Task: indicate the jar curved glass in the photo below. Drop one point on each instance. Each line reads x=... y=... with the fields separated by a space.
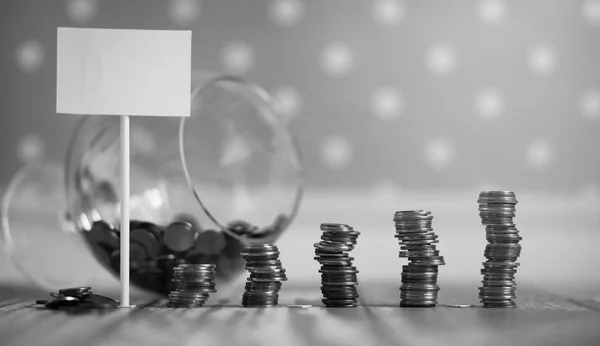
x=254 y=175
x=37 y=236
x=201 y=187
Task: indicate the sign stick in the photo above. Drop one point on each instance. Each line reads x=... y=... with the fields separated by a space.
x=125 y=165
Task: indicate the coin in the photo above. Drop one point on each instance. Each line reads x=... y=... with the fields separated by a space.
x=75 y=291
x=336 y=227
x=334 y=247
x=147 y=235
x=208 y=242
x=188 y=218
x=179 y=236
x=340 y=303
x=61 y=302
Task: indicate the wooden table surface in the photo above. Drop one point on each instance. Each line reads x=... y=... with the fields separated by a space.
x=540 y=319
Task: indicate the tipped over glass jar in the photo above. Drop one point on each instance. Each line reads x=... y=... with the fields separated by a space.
x=201 y=188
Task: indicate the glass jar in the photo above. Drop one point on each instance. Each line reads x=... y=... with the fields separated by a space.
x=201 y=188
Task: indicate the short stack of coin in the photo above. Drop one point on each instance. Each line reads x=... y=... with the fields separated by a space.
x=417 y=242
x=338 y=276
x=497 y=210
x=266 y=275
x=80 y=293
x=192 y=285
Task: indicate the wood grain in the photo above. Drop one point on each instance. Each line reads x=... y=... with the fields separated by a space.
x=541 y=319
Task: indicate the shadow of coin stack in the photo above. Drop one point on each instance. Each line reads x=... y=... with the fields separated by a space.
x=338 y=276
x=417 y=243
x=497 y=210
x=266 y=275
x=192 y=285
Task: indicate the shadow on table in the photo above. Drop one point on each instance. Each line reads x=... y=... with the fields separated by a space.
x=21 y=292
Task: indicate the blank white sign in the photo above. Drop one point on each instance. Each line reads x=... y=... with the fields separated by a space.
x=124 y=72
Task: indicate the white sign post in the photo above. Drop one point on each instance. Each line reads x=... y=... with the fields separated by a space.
x=125 y=73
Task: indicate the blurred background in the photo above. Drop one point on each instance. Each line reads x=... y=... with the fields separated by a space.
x=397 y=105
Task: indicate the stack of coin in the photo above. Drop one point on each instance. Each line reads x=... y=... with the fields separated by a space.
x=266 y=275
x=497 y=210
x=77 y=292
x=192 y=283
x=417 y=242
x=78 y=299
x=338 y=276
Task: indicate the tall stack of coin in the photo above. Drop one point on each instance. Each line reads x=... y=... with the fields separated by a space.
x=192 y=283
x=417 y=242
x=266 y=275
x=497 y=210
x=338 y=276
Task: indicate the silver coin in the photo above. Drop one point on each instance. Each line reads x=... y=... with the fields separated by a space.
x=264 y=255
x=419 y=294
x=339 y=302
x=418 y=287
x=335 y=226
x=501 y=229
x=427 y=263
x=485 y=298
x=496 y=193
x=267 y=279
x=340 y=270
x=267 y=269
x=341 y=235
x=260 y=248
x=197 y=266
x=339 y=283
x=421 y=242
x=261 y=263
x=406 y=214
x=417 y=237
x=406 y=247
x=498 y=283
x=501 y=264
x=335 y=261
x=496 y=296
x=423 y=276
x=188 y=295
x=194 y=276
x=424 y=304
x=333 y=247
x=497 y=289
x=418 y=253
x=419 y=282
x=502 y=304
x=503 y=236
x=339 y=289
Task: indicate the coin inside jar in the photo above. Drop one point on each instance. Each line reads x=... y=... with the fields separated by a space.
x=179 y=236
x=209 y=242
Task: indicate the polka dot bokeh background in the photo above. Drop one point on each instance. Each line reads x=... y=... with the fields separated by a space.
x=410 y=94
